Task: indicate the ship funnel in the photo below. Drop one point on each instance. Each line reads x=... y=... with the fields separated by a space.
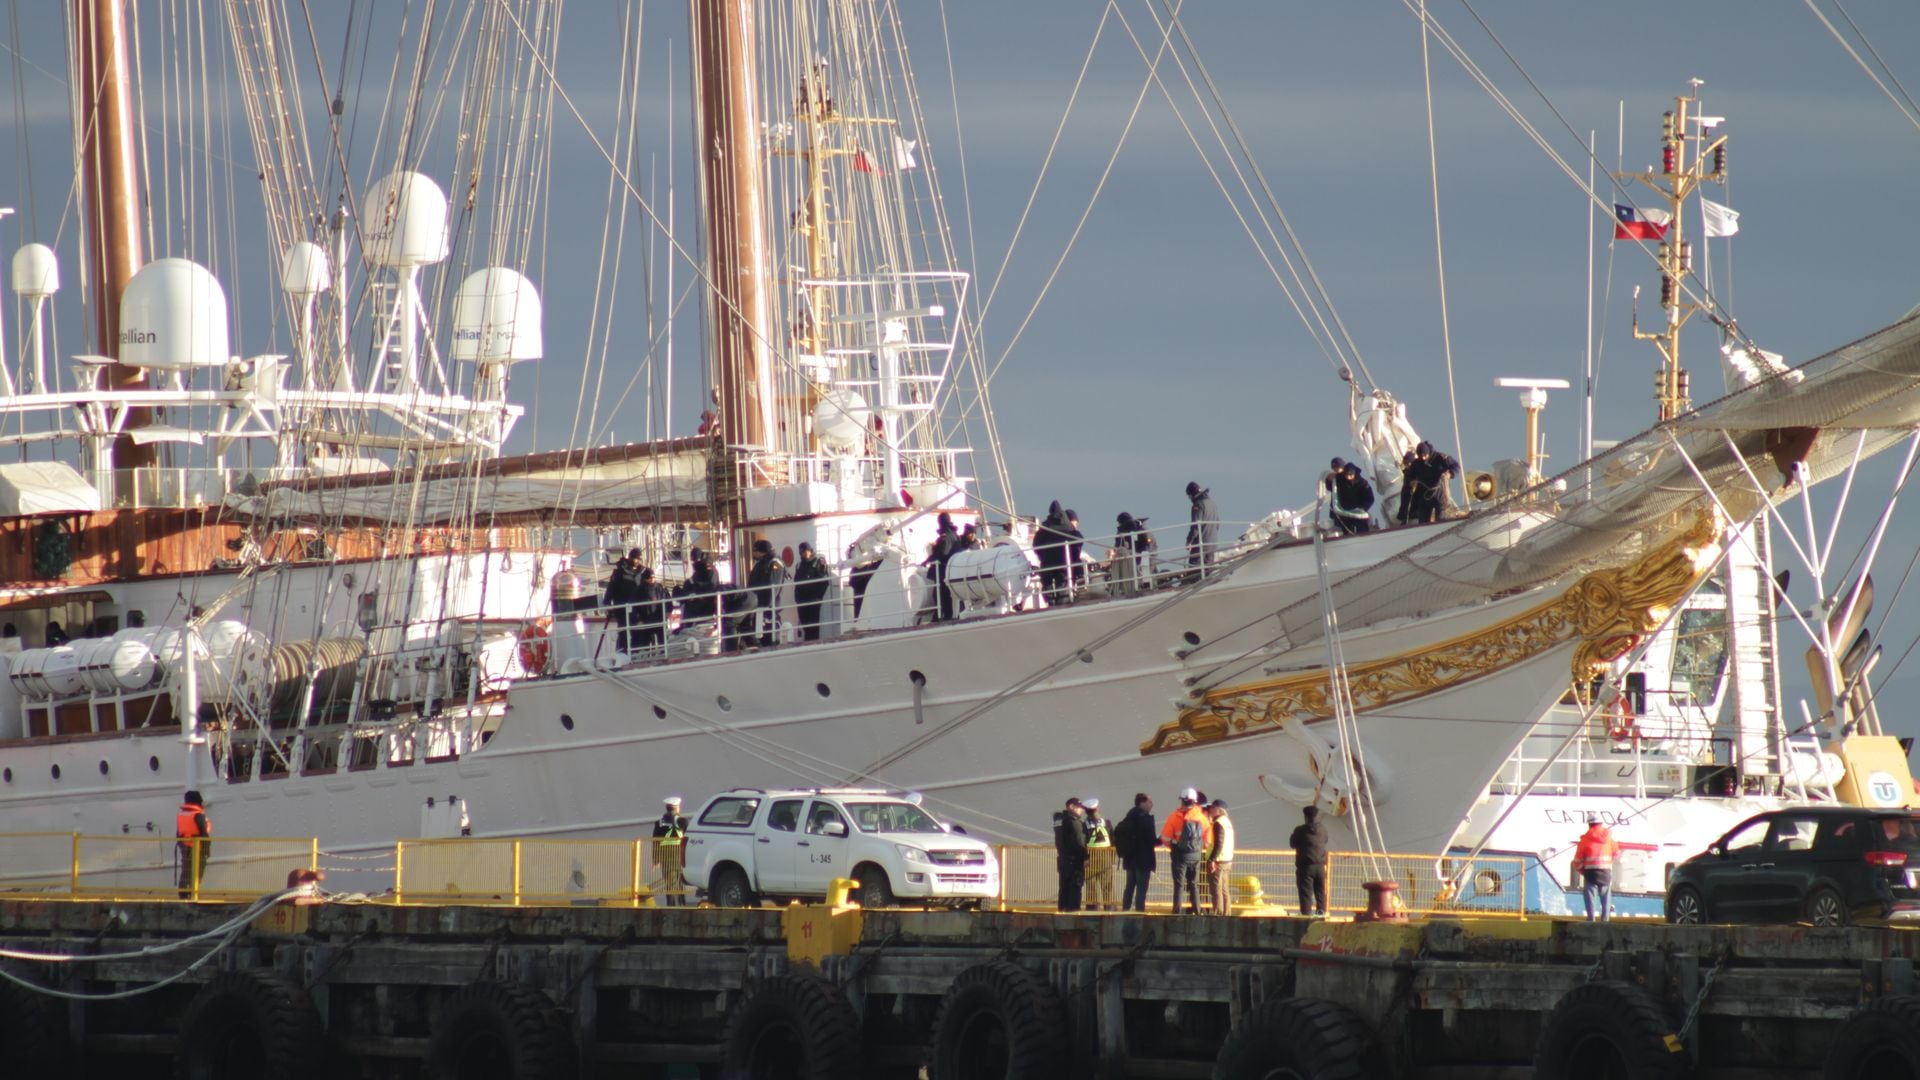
x=406 y=221
x=305 y=270
x=36 y=272
x=497 y=318
x=173 y=316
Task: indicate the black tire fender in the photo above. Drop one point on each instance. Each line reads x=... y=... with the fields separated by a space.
x=1599 y=1021
x=489 y=1027
x=875 y=885
x=999 y=1020
x=251 y=1024
x=792 y=1027
x=1308 y=1037
x=30 y=1032
x=1881 y=1039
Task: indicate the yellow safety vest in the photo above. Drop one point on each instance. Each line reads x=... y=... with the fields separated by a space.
x=674 y=833
x=1100 y=837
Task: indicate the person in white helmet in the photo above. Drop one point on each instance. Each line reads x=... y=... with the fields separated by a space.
x=669 y=852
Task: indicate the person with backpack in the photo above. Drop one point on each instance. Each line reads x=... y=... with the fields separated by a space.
x=1309 y=844
x=1134 y=840
x=1189 y=833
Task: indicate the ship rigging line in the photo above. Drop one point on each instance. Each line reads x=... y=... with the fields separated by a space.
x=1223 y=571
x=1904 y=102
x=1311 y=316
x=1253 y=164
x=1106 y=173
x=1439 y=246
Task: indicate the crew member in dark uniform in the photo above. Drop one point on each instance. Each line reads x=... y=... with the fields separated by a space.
x=811 y=576
x=1050 y=543
x=621 y=596
x=1352 y=501
x=1070 y=851
x=647 y=621
x=1429 y=475
x=945 y=542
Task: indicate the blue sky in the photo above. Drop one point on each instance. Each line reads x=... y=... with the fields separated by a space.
x=1164 y=351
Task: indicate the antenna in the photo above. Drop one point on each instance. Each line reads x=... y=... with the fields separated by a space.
x=1533 y=399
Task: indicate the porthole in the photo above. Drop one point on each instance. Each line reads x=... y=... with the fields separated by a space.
x=659 y=713
x=823 y=689
x=1190 y=638
x=1086 y=657
x=916 y=678
x=56 y=772
x=7 y=775
x=1489 y=883
x=103 y=767
x=153 y=764
x=725 y=705
x=566 y=721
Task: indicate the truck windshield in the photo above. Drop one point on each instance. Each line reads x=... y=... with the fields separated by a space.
x=891 y=817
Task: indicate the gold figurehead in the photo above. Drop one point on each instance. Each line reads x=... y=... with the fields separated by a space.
x=1607 y=612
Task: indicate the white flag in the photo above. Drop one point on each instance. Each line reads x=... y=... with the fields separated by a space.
x=903 y=154
x=1719 y=220
x=1710 y=121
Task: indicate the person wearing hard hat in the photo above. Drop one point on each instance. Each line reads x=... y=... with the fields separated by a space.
x=670 y=853
x=1189 y=833
x=1100 y=858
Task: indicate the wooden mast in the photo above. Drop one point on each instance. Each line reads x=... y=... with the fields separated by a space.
x=112 y=197
x=728 y=130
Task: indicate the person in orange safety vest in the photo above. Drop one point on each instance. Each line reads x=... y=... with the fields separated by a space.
x=1593 y=860
x=192 y=833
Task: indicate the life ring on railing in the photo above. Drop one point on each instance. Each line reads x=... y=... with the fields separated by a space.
x=535 y=635
x=1601 y=1016
x=250 y=1024
x=793 y=1025
x=1885 y=1031
x=1299 y=1037
x=999 y=1011
x=496 y=1028
x=1623 y=724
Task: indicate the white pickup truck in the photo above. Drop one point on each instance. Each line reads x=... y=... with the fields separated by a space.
x=746 y=844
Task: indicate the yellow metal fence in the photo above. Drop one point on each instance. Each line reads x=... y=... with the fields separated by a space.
x=625 y=873
x=1263 y=882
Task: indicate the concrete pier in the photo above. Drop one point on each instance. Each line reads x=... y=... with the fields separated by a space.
x=377 y=990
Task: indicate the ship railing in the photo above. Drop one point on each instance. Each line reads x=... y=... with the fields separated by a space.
x=1262 y=882
x=1109 y=566
x=169 y=488
x=1632 y=768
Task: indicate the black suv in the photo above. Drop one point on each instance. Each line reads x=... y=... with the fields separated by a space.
x=1826 y=865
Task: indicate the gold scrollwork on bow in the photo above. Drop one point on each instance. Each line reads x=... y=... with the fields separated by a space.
x=1607 y=611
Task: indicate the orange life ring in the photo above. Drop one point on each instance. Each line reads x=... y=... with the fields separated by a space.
x=533 y=644
x=1622 y=724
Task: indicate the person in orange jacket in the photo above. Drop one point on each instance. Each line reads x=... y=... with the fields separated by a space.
x=1593 y=860
x=193 y=843
x=1189 y=833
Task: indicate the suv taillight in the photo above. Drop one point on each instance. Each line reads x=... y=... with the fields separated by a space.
x=1886 y=858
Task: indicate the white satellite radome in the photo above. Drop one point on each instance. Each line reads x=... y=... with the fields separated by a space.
x=36 y=272
x=842 y=419
x=305 y=269
x=173 y=316
x=405 y=215
x=497 y=318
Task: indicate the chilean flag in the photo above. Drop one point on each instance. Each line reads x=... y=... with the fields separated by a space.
x=1640 y=224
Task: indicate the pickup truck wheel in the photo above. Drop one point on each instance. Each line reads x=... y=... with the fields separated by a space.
x=875 y=890
x=731 y=889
